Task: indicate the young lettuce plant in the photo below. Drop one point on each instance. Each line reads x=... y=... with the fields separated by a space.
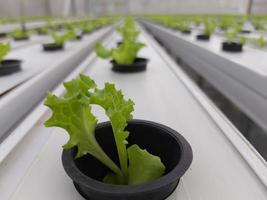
x=230 y=36
x=43 y=30
x=19 y=33
x=4 y=49
x=73 y=112
x=126 y=53
x=61 y=39
x=128 y=31
x=209 y=28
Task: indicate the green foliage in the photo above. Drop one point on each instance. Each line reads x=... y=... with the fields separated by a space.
x=124 y=54
x=43 y=30
x=128 y=50
x=128 y=31
x=209 y=27
x=230 y=36
x=18 y=33
x=61 y=39
x=4 y=49
x=73 y=112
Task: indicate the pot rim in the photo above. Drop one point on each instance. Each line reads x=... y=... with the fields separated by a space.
x=10 y=61
x=232 y=43
x=139 y=59
x=52 y=44
x=176 y=173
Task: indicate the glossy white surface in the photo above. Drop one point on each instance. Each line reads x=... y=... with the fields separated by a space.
x=164 y=95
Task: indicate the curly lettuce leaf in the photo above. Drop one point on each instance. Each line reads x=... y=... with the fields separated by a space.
x=73 y=113
x=4 y=49
x=119 y=112
x=60 y=39
x=127 y=52
x=101 y=51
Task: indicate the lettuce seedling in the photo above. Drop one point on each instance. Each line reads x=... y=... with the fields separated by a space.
x=19 y=33
x=43 y=30
x=61 y=39
x=4 y=49
x=209 y=28
x=73 y=112
x=125 y=53
x=128 y=31
x=230 y=36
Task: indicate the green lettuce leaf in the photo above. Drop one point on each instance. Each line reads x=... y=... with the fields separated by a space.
x=119 y=112
x=4 y=49
x=62 y=38
x=126 y=52
x=73 y=113
x=101 y=51
x=143 y=166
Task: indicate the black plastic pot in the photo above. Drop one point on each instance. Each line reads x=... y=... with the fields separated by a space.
x=79 y=37
x=138 y=65
x=9 y=67
x=53 y=47
x=2 y=35
x=119 y=43
x=245 y=31
x=187 y=32
x=203 y=37
x=21 y=38
x=87 y=172
x=232 y=47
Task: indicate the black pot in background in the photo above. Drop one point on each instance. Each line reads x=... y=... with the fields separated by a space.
x=138 y=65
x=119 y=43
x=87 y=172
x=187 y=32
x=9 y=67
x=53 y=47
x=245 y=31
x=79 y=36
x=203 y=37
x=232 y=47
x=21 y=38
x=3 y=35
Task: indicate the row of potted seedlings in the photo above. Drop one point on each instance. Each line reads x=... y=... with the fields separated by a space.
x=233 y=28
x=124 y=55
x=9 y=66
